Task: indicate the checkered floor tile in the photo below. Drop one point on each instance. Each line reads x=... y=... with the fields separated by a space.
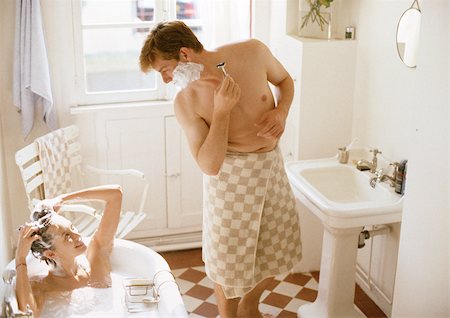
x=282 y=299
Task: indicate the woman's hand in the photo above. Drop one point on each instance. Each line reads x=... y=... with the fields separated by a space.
x=51 y=204
x=27 y=235
x=272 y=123
x=226 y=95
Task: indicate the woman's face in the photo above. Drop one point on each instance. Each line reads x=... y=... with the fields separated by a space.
x=67 y=242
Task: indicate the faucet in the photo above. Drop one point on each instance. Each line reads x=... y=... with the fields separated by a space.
x=367 y=165
x=10 y=306
x=381 y=176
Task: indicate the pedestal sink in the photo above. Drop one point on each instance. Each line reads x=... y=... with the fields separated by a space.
x=341 y=197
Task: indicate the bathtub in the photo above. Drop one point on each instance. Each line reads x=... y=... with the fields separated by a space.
x=128 y=260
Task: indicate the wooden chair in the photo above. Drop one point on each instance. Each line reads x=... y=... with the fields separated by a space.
x=84 y=217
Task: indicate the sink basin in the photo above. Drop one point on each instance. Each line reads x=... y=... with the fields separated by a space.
x=341 y=196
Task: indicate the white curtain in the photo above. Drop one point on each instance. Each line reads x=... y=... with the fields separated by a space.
x=224 y=21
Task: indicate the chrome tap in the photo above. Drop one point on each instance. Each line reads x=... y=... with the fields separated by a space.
x=10 y=306
x=367 y=165
x=381 y=176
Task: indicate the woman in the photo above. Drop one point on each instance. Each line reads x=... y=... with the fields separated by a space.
x=53 y=239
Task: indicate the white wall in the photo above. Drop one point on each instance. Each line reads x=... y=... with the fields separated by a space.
x=5 y=95
x=5 y=222
x=57 y=26
x=404 y=112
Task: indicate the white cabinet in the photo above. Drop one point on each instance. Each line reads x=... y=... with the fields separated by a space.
x=150 y=140
x=184 y=179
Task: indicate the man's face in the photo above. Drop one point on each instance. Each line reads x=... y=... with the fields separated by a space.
x=165 y=68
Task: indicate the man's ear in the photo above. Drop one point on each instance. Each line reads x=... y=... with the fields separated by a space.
x=185 y=54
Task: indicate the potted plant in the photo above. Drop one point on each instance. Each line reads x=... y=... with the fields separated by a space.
x=314 y=15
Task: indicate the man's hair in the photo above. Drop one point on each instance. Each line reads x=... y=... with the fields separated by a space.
x=165 y=41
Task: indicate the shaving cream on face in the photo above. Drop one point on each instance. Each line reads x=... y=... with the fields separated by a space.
x=186 y=73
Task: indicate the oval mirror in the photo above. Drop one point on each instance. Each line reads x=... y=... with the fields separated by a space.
x=408 y=31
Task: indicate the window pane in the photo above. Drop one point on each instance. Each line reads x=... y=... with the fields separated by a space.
x=187 y=9
x=112 y=60
x=117 y=11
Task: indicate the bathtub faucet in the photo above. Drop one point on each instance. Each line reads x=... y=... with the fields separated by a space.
x=11 y=309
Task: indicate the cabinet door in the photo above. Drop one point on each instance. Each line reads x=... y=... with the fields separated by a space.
x=184 y=180
x=138 y=143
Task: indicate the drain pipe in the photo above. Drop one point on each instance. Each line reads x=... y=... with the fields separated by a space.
x=377 y=230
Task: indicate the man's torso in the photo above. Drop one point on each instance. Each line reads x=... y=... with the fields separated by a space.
x=249 y=71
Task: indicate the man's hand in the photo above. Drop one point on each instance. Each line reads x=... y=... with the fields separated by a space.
x=226 y=95
x=272 y=123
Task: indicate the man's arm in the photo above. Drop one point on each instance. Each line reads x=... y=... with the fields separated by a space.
x=274 y=121
x=209 y=144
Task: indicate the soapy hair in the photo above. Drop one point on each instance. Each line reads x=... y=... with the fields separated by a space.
x=165 y=41
x=42 y=218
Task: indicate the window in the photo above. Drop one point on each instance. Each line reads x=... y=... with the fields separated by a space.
x=109 y=35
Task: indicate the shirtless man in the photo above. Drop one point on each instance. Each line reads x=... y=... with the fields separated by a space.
x=223 y=112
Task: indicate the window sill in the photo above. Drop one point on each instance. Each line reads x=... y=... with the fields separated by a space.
x=83 y=109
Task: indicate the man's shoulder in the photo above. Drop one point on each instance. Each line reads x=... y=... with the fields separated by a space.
x=184 y=100
x=185 y=96
x=244 y=44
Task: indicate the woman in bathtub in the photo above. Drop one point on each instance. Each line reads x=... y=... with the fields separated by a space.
x=53 y=239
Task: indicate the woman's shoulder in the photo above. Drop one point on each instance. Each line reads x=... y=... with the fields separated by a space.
x=40 y=285
x=100 y=267
x=40 y=282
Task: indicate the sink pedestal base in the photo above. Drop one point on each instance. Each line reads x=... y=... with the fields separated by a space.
x=337 y=276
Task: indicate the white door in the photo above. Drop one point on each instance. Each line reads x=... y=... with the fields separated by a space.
x=184 y=180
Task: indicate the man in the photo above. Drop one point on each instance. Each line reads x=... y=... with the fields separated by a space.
x=250 y=228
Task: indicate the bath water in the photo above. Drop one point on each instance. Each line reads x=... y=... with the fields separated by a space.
x=93 y=302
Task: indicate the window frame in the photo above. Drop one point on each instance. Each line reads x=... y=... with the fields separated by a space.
x=164 y=10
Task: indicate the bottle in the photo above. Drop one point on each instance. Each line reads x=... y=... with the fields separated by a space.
x=350 y=33
x=400 y=176
x=404 y=179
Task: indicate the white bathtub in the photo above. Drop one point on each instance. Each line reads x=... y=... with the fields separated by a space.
x=128 y=260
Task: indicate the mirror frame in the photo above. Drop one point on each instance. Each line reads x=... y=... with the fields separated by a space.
x=414 y=6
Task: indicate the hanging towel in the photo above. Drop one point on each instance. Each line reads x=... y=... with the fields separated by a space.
x=55 y=163
x=251 y=228
x=31 y=84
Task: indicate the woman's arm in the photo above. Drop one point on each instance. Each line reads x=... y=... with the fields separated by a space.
x=24 y=292
x=112 y=196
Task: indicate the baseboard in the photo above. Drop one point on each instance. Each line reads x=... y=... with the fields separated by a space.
x=172 y=242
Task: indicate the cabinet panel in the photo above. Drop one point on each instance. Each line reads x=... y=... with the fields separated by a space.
x=184 y=179
x=139 y=143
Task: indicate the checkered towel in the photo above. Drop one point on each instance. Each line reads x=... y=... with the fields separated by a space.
x=55 y=163
x=251 y=229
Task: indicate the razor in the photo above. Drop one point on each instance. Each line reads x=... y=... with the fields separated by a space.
x=222 y=67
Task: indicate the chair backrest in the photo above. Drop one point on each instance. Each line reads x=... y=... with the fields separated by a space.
x=30 y=166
